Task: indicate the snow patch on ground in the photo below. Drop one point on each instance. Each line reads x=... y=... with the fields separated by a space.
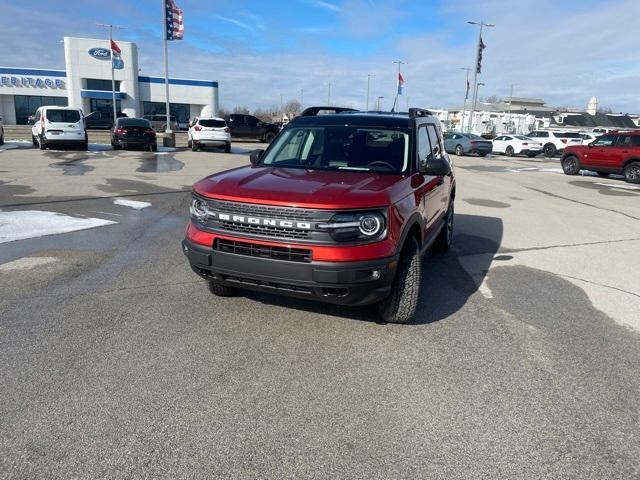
x=26 y=263
x=131 y=203
x=22 y=224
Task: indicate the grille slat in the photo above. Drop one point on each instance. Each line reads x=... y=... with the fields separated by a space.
x=263 y=251
x=264 y=230
x=269 y=211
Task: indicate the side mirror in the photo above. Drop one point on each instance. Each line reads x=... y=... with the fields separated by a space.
x=435 y=167
x=31 y=120
x=255 y=156
x=590 y=145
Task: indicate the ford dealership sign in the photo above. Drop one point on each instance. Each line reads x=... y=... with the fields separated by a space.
x=100 y=53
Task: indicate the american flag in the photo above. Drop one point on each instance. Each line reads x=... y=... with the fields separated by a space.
x=175 y=26
x=400 y=83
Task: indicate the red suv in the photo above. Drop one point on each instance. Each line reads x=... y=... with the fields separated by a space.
x=339 y=208
x=615 y=152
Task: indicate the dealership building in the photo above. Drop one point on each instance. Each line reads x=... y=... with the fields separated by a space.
x=86 y=83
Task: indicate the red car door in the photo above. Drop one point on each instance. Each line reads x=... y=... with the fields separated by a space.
x=597 y=155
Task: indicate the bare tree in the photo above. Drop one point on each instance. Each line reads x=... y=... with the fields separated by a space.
x=292 y=108
x=241 y=110
x=222 y=111
x=492 y=99
x=604 y=110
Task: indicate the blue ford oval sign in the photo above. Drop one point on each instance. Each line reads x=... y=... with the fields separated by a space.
x=100 y=53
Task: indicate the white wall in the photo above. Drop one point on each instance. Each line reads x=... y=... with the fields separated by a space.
x=7 y=109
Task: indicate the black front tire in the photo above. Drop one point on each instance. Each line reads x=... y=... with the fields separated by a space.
x=570 y=165
x=268 y=138
x=459 y=151
x=2 y=139
x=189 y=143
x=220 y=290
x=33 y=140
x=550 y=150
x=194 y=146
x=400 y=306
x=632 y=172
x=227 y=148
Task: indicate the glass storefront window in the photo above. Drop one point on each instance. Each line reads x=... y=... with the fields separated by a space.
x=102 y=85
x=180 y=111
x=27 y=105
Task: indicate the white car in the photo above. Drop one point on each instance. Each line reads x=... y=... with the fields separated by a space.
x=555 y=142
x=512 y=145
x=587 y=137
x=209 y=132
x=59 y=126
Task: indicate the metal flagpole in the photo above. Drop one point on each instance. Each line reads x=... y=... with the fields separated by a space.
x=466 y=96
x=166 y=64
x=113 y=78
x=395 y=102
x=369 y=77
x=475 y=70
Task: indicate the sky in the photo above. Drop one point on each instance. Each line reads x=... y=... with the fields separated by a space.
x=562 y=51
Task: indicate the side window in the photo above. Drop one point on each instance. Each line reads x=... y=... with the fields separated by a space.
x=434 y=139
x=251 y=121
x=424 y=148
x=605 y=141
x=624 y=141
x=37 y=118
x=543 y=134
x=635 y=140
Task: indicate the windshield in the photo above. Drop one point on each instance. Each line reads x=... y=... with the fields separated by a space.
x=63 y=116
x=522 y=137
x=341 y=147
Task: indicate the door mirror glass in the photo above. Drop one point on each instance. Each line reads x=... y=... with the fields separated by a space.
x=255 y=156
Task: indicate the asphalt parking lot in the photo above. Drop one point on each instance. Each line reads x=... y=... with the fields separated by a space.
x=117 y=362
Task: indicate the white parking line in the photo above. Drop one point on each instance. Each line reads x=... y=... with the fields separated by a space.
x=131 y=203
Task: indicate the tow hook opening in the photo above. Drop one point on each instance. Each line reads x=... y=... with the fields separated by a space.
x=335 y=292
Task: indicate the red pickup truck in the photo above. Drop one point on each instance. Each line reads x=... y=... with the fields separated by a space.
x=616 y=152
x=339 y=208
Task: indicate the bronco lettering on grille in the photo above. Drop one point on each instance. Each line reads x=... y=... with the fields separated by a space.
x=267 y=222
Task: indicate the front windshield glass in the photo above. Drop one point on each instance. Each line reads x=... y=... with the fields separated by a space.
x=340 y=147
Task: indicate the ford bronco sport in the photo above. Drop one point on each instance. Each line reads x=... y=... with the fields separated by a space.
x=339 y=208
x=615 y=152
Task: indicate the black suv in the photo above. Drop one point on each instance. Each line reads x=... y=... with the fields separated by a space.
x=339 y=208
x=248 y=126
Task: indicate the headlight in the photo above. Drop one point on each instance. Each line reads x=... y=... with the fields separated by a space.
x=354 y=226
x=198 y=208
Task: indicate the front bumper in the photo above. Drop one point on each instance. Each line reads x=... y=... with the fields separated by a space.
x=343 y=283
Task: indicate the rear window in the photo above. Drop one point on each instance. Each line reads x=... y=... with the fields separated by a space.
x=210 y=123
x=568 y=135
x=473 y=136
x=63 y=116
x=133 y=122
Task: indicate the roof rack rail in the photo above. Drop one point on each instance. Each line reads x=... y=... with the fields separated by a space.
x=313 y=111
x=419 y=112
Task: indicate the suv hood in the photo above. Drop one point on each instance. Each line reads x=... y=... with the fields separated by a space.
x=299 y=187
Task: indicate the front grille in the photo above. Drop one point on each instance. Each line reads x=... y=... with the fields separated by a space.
x=263 y=251
x=268 y=211
x=264 y=230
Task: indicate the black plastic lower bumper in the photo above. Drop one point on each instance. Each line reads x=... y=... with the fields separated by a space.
x=344 y=283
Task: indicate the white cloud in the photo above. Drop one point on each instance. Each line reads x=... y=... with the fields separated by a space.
x=326 y=5
x=235 y=22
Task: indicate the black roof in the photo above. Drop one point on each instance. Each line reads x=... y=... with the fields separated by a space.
x=369 y=119
x=598 y=120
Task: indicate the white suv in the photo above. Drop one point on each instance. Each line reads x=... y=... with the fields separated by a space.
x=59 y=126
x=208 y=132
x=555 y=142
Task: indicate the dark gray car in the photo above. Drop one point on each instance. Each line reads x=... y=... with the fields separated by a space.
x=464 y=143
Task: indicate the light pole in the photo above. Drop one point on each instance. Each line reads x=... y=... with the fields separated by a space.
x=369 y=77
x=466 y=96
x=481 y=24
x=379 y=98
x=113 y=78
x=399 y=62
